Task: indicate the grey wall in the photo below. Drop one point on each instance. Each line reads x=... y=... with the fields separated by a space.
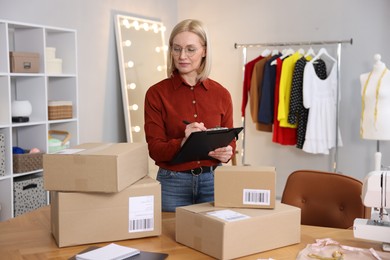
x=229 y=22
x=100 y=102
x=258 y=21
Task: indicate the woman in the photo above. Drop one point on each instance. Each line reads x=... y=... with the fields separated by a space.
x=186 y=95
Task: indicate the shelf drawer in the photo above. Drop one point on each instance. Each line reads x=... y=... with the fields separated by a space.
x=29 y=194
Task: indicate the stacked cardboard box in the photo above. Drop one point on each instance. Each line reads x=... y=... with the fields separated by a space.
x=244 y=219
x=245 y=187
x=101 y=192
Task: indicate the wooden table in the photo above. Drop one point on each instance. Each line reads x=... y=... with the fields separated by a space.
x=29 y=237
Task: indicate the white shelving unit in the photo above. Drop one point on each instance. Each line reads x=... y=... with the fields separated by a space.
x=38 y=88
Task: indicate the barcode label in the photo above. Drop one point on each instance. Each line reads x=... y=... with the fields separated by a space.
x=256 y=197
x=141 y=225
x=141 y=214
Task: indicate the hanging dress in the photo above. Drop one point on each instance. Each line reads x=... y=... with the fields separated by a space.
x=255 y=94
x=285 y=89
x=320 y=97
x=281 y=135
x=247 y=82
x=266 y=104
x=298 y=114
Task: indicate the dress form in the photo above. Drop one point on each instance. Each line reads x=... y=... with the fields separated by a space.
x=375 y=91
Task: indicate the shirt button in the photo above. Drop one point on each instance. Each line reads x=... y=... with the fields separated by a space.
x=198 y=162
x=192 y=88
x=193 y=101
x=195 y=116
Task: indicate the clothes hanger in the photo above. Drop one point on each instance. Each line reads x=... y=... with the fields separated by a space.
x=265 y=53
x=287 y=53
x=323 y=52
x=275 y=52
x=310 y=52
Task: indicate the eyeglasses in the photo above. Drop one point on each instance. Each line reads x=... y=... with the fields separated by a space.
x=189 y=51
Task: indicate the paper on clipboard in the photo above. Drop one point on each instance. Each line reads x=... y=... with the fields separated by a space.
x=199 y=144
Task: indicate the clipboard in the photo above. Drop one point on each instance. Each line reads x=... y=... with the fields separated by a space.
x=199 y=144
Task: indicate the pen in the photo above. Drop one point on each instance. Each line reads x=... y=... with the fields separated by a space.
x=186 y=122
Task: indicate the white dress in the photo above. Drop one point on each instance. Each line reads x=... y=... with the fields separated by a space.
x=320 y=96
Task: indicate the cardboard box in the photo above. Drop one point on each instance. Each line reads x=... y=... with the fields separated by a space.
x=96 y=167
x=245 y=186
x=82 y=218
x=24 y=62
x=237 y=232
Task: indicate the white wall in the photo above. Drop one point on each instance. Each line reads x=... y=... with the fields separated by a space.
x=229 y=22
x=259 y=21
x=100 y=102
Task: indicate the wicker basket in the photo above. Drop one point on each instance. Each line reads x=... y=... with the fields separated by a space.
x=60 y=110
x=56 y=144
x=27 y=162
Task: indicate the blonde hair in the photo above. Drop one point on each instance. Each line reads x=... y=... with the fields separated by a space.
x=199 y=29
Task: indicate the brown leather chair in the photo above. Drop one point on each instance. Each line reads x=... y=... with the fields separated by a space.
x=326 y=199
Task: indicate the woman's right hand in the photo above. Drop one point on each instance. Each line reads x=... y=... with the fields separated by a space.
x=192 y=127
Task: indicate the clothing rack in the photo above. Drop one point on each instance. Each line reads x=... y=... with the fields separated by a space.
x=245 y=46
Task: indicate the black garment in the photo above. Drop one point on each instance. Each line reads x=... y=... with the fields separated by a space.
x=298 y=114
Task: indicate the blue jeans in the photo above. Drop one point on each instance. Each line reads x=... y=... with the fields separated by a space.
x=182 y=189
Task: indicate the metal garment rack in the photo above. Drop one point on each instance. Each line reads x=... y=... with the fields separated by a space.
x=245 y=46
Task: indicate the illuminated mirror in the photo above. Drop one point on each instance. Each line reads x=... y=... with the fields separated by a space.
x=142 y=63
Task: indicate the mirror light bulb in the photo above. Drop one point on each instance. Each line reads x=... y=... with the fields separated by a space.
x=136 y=25
x=130 y=64
x=155 y=28
x=133 y=107
x=136 y=128
x=131 y=86
x=127 y=43
x=126 y=23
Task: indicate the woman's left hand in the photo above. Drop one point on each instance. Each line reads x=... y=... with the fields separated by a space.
x=222 y=154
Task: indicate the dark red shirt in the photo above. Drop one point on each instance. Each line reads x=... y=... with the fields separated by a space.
x=171 y=101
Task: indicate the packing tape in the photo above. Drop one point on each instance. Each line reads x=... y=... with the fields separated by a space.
x=98 y=148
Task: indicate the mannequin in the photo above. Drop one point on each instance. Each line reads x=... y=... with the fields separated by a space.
x=375 y=91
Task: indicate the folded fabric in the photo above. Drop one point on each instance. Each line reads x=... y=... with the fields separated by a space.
x=328 y=249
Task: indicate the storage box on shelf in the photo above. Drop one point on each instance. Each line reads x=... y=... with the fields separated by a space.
x=24 y=62
x=27 y=74
x=60 y=110
x=53 y=64
x=28 y=194
x=27 y=162
x=58 y=140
